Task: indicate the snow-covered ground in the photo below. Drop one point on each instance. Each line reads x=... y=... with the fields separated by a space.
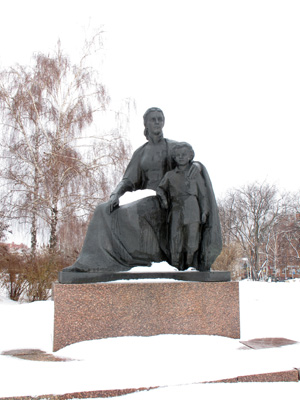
x=177 y=363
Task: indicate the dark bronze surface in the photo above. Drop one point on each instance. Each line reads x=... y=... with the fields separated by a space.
x=92 y=277
x=180 y=225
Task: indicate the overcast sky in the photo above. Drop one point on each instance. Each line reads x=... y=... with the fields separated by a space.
x=225 y=73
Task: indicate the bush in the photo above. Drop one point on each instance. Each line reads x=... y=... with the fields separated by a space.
x=27 y=277
x=12 y=273
x=40 y=273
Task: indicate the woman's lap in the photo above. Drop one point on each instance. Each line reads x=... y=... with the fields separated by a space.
x=131 y=235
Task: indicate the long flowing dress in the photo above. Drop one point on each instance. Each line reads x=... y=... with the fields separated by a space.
x=135 y=234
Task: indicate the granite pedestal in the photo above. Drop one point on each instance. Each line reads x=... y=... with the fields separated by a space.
x=144 y=308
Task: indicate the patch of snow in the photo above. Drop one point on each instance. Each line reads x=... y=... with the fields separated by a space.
x=177 y=363
x=129 y=197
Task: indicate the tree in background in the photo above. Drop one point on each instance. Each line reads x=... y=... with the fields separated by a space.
x=248 y=216
x=262 y=225
x=230 y=259
x=285 y=240
x=55 y=167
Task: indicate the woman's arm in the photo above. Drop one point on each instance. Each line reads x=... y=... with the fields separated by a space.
x=124 y=186
x=131 y=181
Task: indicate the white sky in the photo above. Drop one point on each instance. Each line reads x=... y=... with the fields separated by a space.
x=226 y=73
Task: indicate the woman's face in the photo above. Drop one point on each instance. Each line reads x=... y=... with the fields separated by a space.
x=155 y=123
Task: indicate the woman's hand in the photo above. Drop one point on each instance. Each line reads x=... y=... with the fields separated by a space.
x=113 y=202
x=194 y=170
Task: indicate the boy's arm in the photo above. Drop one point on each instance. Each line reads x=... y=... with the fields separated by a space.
x=202 y=198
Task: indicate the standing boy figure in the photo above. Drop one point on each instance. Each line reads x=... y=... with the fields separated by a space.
x=183 y=192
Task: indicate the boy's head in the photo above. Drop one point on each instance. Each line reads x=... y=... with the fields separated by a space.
x=183 y=153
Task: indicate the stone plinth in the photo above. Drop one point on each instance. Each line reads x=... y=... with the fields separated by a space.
x=102 y=310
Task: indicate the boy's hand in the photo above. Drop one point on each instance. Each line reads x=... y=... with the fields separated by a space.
x=163 y=201
x=165 y=204
x=204 y=217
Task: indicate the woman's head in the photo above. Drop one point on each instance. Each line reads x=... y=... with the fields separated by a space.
x=154 y=121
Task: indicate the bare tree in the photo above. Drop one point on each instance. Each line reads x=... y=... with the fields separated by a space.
x=248 y=216
x=285 y=239
x=53 y=164
x=230 y=259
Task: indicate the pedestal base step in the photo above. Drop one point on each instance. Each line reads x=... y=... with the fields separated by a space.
x=67 y=277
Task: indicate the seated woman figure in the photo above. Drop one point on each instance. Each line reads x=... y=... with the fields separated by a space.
x=135 y=234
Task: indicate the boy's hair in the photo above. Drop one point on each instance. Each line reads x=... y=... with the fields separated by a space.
x=180 y=145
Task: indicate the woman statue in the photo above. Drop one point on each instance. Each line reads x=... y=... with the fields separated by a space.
x=121 y=237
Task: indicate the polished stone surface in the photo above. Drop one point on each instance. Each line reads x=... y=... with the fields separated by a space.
x=281 y=376
x=102 y=310
x=267 y=343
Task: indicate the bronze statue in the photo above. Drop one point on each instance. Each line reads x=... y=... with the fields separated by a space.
x=137 y=234
x=184 y=195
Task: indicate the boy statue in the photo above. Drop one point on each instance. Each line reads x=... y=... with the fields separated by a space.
x=184 y=195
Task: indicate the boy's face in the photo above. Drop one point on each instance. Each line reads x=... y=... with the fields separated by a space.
x=182 y=156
